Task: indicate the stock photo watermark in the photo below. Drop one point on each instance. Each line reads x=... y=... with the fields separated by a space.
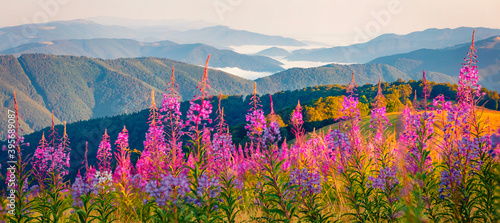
x=222 y=7
x=11 y=170
x=380 y=19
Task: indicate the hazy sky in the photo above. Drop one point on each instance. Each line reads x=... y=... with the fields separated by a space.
x=331 y=21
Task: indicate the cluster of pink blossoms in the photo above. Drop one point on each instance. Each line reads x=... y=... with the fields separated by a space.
x=48 y=159
x=256 y=124
x=198 y=113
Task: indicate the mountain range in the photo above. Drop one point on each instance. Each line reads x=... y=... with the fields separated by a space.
x=447 y=61
x=390 y=44
x=218 y=36
x=112 y=69
x=81 y=88
x=127 y=48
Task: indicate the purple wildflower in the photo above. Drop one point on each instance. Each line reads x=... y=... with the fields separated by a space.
x=307 y=181
x=385 y=180
x=169 y=188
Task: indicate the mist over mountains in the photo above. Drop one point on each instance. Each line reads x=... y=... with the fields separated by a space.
x=127 y=48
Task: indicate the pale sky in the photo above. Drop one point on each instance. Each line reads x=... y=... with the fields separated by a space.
x=330 y=21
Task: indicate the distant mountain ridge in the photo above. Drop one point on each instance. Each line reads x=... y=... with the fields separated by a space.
x=447 y=61
x=128 y=48
x=218 y=36
x=390 y=44
x=273 y=52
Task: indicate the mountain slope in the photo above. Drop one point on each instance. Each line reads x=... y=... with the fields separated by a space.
x=80 y=88
x=274 y=52
x=389 y=44
x=445 y=61
x=297 y=78
x=127 y=48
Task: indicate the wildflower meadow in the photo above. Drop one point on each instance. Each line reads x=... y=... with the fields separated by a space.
x=443 y=166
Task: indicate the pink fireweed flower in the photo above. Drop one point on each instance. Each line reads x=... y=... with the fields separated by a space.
x=172 y=107
x=205 y=137
x=50 y=160
x=155 y=140
x=272 y=134
x=123 y=169
x=297 y=122
x=222 y=147
x=255 y=100
x=297 y=119
x=349 y=108
x=221 y=122
x=174 y=124
x=256 y=123
x=152 y=160
x=171 y=104
x=407 y=137
x=351 y=119
x=421 y=128
x=379 y=122
x=425 y=91
x=316 y=155
x=152 y=157
x=199 y=114
x=468 y=86
x=460 y=147
x=240 y=163
x=53 y=135
x=104 y=153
